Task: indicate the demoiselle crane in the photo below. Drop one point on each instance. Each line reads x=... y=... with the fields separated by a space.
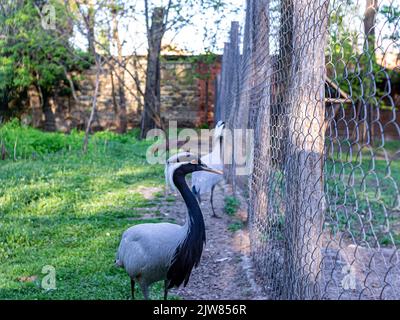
x=204 y=182
x=152 y=252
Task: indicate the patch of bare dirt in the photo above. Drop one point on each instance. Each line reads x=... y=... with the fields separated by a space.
x=374 y=272
x=149 y=193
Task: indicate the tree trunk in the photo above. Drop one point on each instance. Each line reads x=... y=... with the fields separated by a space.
x=49 y=118
x=151 y=113
x=281 y=85
x=3 y=106
x=367 y=132
x=94 y=104
x=97 y=58
x=369 y=23
x=120 y=72
x=3 y=150
x=90 y=21
x=114 y=98
x=122 y=119
x=257 y=84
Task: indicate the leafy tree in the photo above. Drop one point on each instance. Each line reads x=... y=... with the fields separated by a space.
x=159 y=18
x=32 y=55
x=354 y=67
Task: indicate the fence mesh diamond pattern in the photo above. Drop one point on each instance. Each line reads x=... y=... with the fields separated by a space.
x=319 y=83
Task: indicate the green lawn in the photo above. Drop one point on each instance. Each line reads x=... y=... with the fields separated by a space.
x=363 y=194
x=68 y=210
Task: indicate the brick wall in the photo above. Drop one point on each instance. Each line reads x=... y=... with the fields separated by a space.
x=182 y=97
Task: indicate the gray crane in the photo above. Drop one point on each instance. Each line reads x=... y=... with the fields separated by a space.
x=152 y=252
x=204 y=182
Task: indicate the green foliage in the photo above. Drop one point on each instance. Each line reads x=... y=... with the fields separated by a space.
x=362 y=194
x=202 y=65
x=32 y=143
x=231 y=205
x=235 y=226
x=392 y=15
x=69 y=210
x=355 y=73
x=203 y=126
x=355 y=69
x=31 y=55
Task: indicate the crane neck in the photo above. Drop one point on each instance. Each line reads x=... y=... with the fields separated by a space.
x=188 y=253
x=195 y=216
x=217 y=147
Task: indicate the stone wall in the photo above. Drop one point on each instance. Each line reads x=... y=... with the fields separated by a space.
x=182 y=97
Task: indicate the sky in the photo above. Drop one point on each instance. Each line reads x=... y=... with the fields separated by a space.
x=382 y=28
x=190 y=38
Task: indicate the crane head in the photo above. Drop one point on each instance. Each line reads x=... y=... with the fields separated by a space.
x=219 y=129
x=183 y=164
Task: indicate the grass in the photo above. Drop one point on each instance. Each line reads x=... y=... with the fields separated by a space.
x=30 y=143
x=64 y=209
x=235 y=226
x=231 y=205
x=68 y=210
x=363 y=195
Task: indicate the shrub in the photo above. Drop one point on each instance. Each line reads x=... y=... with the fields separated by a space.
x=31 y=142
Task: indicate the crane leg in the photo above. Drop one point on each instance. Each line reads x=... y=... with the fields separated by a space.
x=145 y=290
x=133 y=289
x=212 y=202
x=196 y=194
x=166 y=282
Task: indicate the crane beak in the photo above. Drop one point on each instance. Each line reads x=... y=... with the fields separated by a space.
x=208 y=169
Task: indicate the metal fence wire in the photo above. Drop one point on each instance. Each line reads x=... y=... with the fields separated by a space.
x=319 y=83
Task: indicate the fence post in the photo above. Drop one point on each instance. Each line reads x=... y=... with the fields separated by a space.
x=234 y=62
x=259 y=84
x=241 y=118
x=304 y=185
x=229 y=96
x=217 y=115
x=224 y=82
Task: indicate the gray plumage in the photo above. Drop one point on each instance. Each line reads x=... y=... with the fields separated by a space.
x=146 y=251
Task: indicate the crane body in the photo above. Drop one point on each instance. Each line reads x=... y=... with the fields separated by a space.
x=204 y=182
x=153 y=252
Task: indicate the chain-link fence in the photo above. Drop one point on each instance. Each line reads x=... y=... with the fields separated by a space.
x=319 y=82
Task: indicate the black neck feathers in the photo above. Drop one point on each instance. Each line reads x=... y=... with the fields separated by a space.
x=189 y=252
